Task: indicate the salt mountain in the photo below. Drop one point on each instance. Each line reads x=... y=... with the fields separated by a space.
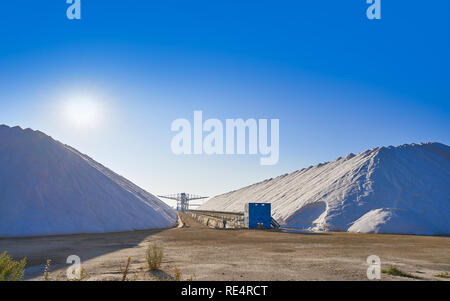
x=404 y=189
x=47 y=187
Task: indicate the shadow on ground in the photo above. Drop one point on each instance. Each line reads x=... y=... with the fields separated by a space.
x=161 y=275
x=57 y=248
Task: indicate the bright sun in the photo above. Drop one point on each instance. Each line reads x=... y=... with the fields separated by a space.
x=82 y=113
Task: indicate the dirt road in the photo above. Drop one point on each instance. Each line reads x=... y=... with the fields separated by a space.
x=208 y=254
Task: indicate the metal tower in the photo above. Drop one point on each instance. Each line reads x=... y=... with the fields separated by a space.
x=183 y=200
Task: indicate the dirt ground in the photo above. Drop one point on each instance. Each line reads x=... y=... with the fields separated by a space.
x=201 y=253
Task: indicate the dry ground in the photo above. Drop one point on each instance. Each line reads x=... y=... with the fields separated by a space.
x=208 y=254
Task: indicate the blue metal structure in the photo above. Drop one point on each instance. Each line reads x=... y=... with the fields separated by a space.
x=258 y=215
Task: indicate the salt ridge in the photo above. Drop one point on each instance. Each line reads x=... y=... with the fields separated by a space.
x=403 y=189
x=49 y=188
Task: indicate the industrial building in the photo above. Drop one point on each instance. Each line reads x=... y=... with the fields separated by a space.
x=258 y=216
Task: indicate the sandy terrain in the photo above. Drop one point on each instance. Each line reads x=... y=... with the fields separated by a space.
x=209 y=254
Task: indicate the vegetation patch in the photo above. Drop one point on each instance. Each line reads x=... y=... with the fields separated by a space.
x=47 y=270
x=442 y=275
x=11 y=270
x=394 y=271
x=154 y=255
x=125 y=271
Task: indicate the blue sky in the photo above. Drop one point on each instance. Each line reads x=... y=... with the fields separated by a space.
x=338 y=82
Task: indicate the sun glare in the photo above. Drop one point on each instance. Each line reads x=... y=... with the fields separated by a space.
x=82 y=113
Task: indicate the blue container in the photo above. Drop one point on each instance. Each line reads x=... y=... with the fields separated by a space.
x=258 y=215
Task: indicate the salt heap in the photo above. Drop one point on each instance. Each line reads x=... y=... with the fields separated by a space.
x=404 y=189
x=49 y=188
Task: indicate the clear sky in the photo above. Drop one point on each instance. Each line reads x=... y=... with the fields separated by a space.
x=338 y=82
